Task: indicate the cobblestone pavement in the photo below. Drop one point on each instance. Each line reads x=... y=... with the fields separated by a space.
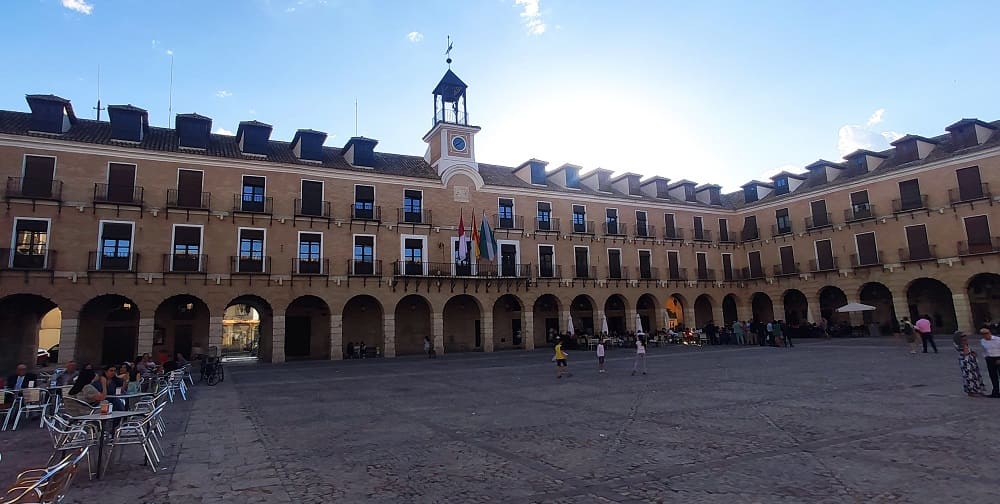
x=825 y=422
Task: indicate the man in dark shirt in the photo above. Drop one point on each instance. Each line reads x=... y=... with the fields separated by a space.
x=21 y=378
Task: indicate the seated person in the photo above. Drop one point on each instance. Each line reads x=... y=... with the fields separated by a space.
x=111 y=384
x=68 y=376
x=85 y=390
x=21 y=378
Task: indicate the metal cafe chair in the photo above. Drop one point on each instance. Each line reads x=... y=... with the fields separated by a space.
x=28 y=402
x=138 y=432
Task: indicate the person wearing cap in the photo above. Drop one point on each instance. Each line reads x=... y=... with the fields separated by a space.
x=972 y=379
x=991 y=349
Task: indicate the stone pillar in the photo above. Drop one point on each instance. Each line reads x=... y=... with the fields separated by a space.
x=278 y=339
x=67 y=339
x=486 y=327
x=214 y=334
x=901 y=307
x=779 y=310
x=389 y=333
x=745 y=311
x=717 y=316
x=145 y=338
x=598 y=322
x=336 y=337
x=963 y=312
x=528 y=329
x=689 y=320
x=437 y=332
x=630 y=321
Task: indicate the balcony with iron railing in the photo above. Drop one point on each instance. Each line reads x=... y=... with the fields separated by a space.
x=750 y=234
x=916 y=255
x=584 y=272
x=421 y=216
x=957 y=195
x=508 y=221
x=461 y=270
x=100 y=261
x=859 y=213
x=130 y=195
x=185 y=200
x=34 y=189
x=777 y=230
x=547 y=226
x=751 y=273
x=705 y=274
x=185 y=263
x=364 y=267
x=677 y=274
x=726 y=237
x=875 y=259
x=35 y=258
x=730 y=275
x=649 y=273
x=818 y=266
x=819 y=221
x=249 y=265
x=644 y=231
x=313 y=209
x=549 y=271
x=786 y=269
x=305 y=266
x=614 y=229
x=967 y=248
x=674 y=233
x=252 y=205
x=584 y=227
x=702 y=235
x=617 y=273
x=901 y=205
x=365 y=212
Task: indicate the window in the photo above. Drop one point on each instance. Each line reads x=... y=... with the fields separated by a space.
x=641 y=228
x=909 y=195
x=783 y=221
x=310 y=253
x=970 y=185
x=669 y=229
x=918 y=247
x=645 y=264
x=699 y=228
x=187 y=249
x=756 y=266
x=727 y=267
x=543 y=220
x=121 y=183
x=674 y=265
x=689 y=193
x=820 y=217
x=582 y=257
x=572 y=178
x=750 y=231
x=860 y=208
x=189 y=185
x=781 y=186
x=39 y=173
x=977 y=230
x=253 y=194
x=312 y=199
x=787 y=256
x=413 y=255
x=363 y=262
x=116 y=246
x=867 y=249
x=579 y=219
x=538 y=174
x=824 y=256
x=413 y=206
x=749 y=194
x=505 y=213
x=31 y=243
x=251 y=253
x=611 y=221
x=701 y=259
x=508 y=258
x=546 y=261
x=615 y=264
x=364 y=202
x=724 y=230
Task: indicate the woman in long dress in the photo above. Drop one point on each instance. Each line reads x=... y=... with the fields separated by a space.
x=972 y=379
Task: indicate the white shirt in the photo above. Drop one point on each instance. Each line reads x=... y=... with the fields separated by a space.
x=992 y=346
x=600 y=350
x=639 y=347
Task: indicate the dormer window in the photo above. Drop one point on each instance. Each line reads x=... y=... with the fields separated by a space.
x=572 y=178
x=781 y=185
x=750 y=194
x=689 y=193
x=537 y=174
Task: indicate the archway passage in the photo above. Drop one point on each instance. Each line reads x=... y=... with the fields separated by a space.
x=831 y=298
x=762 y=307
x=507 y=323
x=702 y=310
x=647 y=307
x=20 y=318
x=363 y=322
x=884 y=315
x=796 y=307
x=259 y=341
x=413 y=324
x=729 y=311
x=615 y=309
x=675 y=312
x=582 y=313
x=180 y=325
x=927 y=296
x=108 y=333
x=545 y=319
x=307 y=329
x=463 y=324
x=984 y=298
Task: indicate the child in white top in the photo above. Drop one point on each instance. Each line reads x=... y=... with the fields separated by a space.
x=600 y=356
x=640 y=355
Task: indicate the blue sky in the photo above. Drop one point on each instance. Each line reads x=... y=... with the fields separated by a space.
x=715 y=92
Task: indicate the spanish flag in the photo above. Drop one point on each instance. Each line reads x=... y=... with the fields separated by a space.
x=475 y=236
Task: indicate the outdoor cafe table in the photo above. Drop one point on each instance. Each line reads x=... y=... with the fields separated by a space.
x=128 y=397
x=101 y=421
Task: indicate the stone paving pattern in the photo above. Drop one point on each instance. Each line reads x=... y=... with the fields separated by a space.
x=825 y=422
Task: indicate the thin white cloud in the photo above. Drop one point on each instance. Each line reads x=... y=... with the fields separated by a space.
x=852 y=137
x=891 y=136
x=415 y=36
x=532 y=16
x=80 y=6
x=875 y=118
x=223 y=131
x=222 y=93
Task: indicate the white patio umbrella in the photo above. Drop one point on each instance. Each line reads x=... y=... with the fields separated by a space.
x=855 y=307
x=638 y=324
x=604 y=324
x=569 y=324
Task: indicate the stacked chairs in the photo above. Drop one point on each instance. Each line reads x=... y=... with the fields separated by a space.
x=45 y=486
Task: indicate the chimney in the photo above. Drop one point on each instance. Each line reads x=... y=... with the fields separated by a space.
x=128 y=123
x=970 y=133
x=307 y=144
x=597 y=179
x=828 y=171
x=532 y=171
x=912 y=148
x=627 y=183
x=193 y=130
x=360 y=151
x=756 y=190
x=655 y=187
x=50 y=114
x=253 y=137
x=682 y=190
x=709 y=194
x=567 y=175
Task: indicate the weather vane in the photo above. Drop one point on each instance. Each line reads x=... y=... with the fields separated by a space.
x=448 y=52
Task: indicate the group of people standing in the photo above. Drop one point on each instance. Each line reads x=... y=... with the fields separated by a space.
x=774 y=333
x=972 y=379
x=638 y=365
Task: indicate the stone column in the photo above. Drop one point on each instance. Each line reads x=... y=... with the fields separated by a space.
x=486 y=327
x=437 y=332
x=278 y=339
x=336 y=337
x=528 y=329
x=689 y=320
x=67 y=339
x=389 y=334
x=145 y=339
x=901 y=307
x=963 y=312
x=745 y=311
x=779 y=310
x=717 y=316
x=214 y=334
x=630 y=321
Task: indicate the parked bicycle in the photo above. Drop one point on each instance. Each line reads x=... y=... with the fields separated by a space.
x=212 y=371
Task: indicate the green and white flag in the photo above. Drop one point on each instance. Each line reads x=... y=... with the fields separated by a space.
x=487 y=242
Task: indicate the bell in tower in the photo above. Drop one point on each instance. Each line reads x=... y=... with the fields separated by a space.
x=450 y=101
x=450 y=142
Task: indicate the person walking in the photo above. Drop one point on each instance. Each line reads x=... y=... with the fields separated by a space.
x=640 y=354
x=770 y=333
x=560 y=359
x=429 y=348
x=781 y=336
x=923 y=326
x=972 y=379
x=738 y=332
x=909 y=334
x=991 y=349
x=600 y=356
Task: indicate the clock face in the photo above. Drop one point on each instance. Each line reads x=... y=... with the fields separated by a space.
x=458 y=143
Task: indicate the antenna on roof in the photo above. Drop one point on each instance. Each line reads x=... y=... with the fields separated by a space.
x=355 y=117
x=170 y=96
x=98 y=108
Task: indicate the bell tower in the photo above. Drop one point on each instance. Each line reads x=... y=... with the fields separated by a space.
x=450 y=141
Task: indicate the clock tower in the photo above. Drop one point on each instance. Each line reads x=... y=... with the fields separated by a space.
x=451 y=146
